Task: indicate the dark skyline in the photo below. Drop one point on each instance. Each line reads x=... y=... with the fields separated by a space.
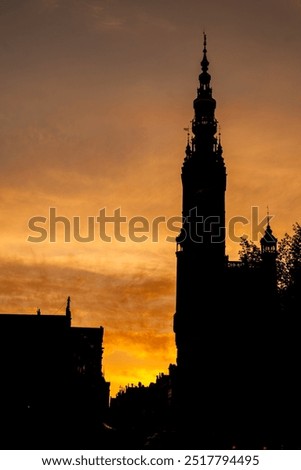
x=94 y=99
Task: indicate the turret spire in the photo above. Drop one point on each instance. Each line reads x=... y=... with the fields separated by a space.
x=268 y=216
x=268 y=241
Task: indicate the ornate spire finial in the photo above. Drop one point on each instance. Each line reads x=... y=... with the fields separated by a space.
x=205 y=41
x=205 y=62
x=268 y=216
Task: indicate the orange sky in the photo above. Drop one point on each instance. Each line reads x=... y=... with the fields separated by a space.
x=94 y=96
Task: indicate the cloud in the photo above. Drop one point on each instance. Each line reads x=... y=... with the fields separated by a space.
x=98 y=14
x=9 y=6
x=296 y=4
x=50 y=4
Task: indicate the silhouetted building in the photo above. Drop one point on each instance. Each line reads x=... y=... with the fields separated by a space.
x=51 y=380
x=145 y=411
x=201 y=262
x=235 y=349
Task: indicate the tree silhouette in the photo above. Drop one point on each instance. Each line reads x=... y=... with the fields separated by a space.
x=249 y=253
x=289 y=259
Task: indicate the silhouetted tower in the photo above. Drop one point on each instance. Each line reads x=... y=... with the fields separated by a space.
x=200 y=247
x=269 y=256
x=268 y=243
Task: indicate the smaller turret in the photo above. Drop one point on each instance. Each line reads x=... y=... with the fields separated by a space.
x=269 y=257
x=269 y=241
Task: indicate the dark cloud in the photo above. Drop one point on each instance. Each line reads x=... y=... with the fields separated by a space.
x=97 y=298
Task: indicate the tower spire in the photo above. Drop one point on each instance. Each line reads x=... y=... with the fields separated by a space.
x=205 y=62
x=205 y=77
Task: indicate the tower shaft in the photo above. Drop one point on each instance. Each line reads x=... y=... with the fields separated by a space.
x=201 y=250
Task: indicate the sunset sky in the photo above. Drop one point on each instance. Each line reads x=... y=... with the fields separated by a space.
x=94 y=99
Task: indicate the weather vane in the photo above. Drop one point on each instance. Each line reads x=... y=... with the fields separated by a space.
x=268 y=216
